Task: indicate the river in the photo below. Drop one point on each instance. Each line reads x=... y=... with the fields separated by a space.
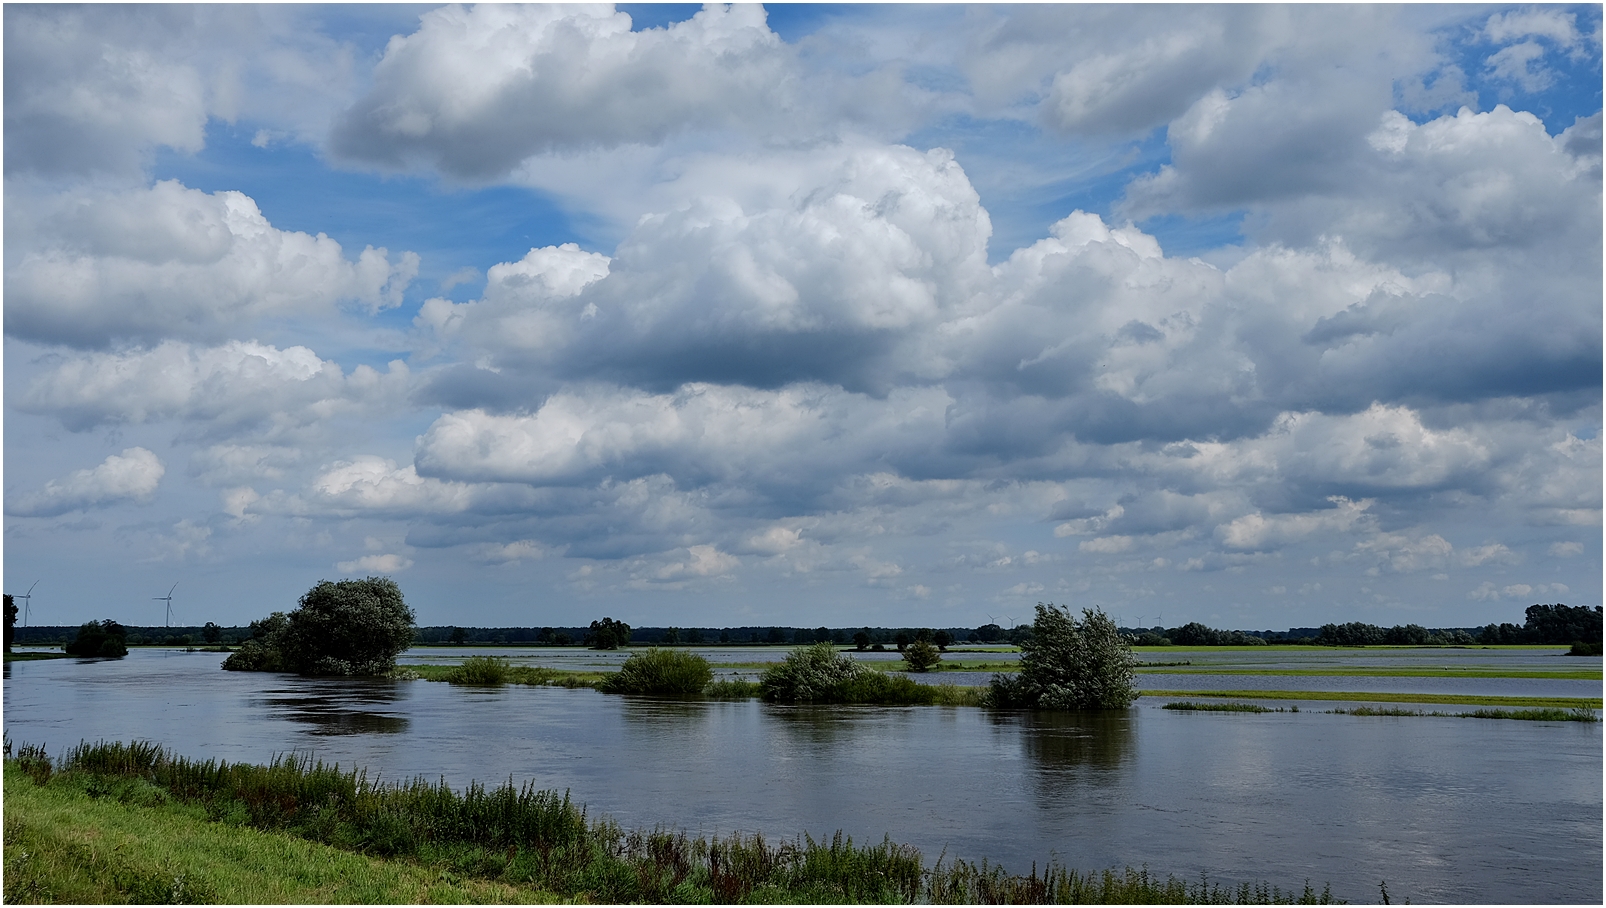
x=1444 y=810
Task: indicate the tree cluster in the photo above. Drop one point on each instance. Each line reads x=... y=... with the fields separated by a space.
x=11 y=621
x=350 y=627
x=608 y=634
x=1548 y=624
x=1069 y=664
x=100 y=638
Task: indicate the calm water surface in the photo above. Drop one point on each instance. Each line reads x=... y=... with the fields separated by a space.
x=1445 y=810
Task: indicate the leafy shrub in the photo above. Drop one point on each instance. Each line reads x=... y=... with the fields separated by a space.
x=921 y=656
x=1069 y=664
x=100 y=638
x=1580 y=648
x=659 y=671
x=353 y=627
x=810 y=674
x=487 y=670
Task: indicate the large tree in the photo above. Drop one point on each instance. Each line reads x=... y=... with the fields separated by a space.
x=1070 y=664
x=350 y=627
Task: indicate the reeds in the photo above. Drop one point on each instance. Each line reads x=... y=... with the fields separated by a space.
x=520 y=835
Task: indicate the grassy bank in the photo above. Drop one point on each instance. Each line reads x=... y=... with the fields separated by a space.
x=114 y=822
x=64 y=845
x=1375 y=697
x=35 y=657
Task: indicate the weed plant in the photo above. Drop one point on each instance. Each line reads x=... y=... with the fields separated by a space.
x=485 y=670
x=660 y=671
x=539 y=839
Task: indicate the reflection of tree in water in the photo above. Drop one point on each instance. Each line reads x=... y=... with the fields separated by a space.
x=343 y=707
x=824 y=724
x=661 y=712
x=1075 y=745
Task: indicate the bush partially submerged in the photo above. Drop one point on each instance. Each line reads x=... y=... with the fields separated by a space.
x=660 y=671
x=810 y=674
x=1069 y=664
x=484 y=670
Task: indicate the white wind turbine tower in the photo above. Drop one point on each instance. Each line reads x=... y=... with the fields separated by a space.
x=169 y=600
x=25 y=603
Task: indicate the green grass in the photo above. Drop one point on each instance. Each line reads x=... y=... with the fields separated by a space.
x=118 y=823
x=35 y=657
x=732 y=689
x=136 y=844
x=1455 y=699
x=514 y=674
x=1190 y=706
x=1567 y=674
x=1531 y=715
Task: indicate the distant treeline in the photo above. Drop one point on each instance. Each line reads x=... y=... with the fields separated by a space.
x=1543 y=624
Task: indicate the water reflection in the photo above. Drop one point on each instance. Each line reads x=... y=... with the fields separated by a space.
x=1082 y=747
x=338 y=708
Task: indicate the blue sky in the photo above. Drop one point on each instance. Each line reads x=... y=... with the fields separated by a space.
x=1260 y=316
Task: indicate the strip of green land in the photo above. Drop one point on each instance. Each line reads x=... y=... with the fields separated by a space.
x=64 y=847
x=1376 y=697
x=1568 y=674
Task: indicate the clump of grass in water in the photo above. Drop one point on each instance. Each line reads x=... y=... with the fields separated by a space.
x=1532 y=715
x=732 y=689
x=523 y=836
x=1190 y=706
x=659 y=671
x=495 y=670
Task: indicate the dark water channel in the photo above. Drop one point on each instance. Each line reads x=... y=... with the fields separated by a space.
x=1444 y=810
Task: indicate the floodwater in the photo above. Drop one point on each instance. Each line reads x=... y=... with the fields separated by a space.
x=1443 y=810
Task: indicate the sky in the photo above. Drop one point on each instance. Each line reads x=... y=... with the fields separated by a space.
x=891 y=315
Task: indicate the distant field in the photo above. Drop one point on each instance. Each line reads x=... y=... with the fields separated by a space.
x=1570 y=674
x=1373 y=697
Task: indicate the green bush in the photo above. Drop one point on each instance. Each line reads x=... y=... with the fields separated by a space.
x=1069 y=664
x=921 y=656
x=659 y=671
x=487 y=670
x=810 y=674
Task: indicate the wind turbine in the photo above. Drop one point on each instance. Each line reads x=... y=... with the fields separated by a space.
x=169 y=600
x=25 y=597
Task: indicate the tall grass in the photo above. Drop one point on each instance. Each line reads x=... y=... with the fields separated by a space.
x=519 y=835
x=659 y=671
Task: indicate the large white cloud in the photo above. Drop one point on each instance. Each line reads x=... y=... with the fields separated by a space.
x=94 y=90
x=88 y=268
x=132 y=475
x=816 y=272
x=477 y=90
x=235 y=390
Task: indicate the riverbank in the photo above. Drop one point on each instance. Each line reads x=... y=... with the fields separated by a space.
x=112 y=823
